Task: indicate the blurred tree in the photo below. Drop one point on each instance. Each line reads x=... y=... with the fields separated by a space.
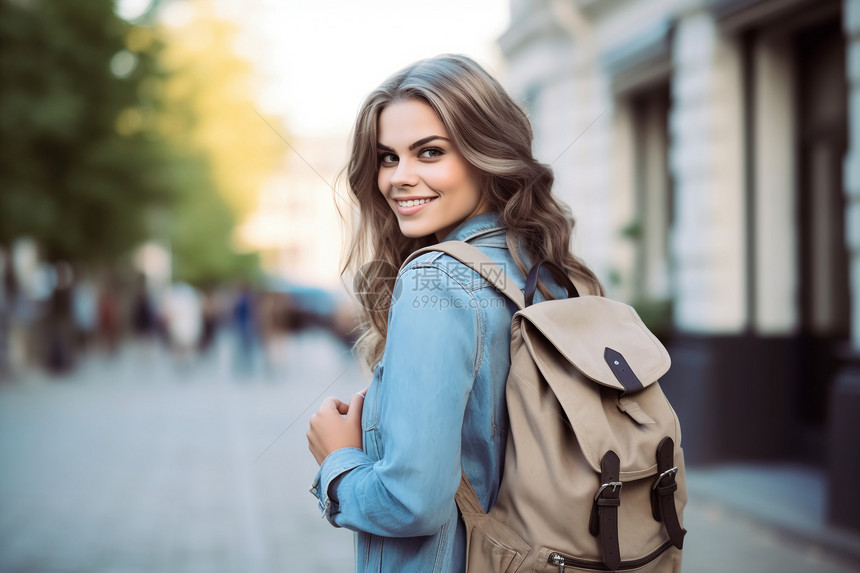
x=200 y=232
x=208 y=109
x=104 y=123
x=68 y=177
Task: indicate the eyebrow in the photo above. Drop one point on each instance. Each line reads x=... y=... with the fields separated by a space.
x=418 y=143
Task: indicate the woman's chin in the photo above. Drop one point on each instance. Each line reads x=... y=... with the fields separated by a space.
x=411 y=231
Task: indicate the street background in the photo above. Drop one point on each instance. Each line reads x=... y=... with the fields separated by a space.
x=137 y=463
x=172 y=308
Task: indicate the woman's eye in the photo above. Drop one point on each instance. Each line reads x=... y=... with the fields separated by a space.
x=387 y=159
x=431 y=153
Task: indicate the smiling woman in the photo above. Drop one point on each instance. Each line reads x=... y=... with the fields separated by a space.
x=428 y=183
x=440 y=152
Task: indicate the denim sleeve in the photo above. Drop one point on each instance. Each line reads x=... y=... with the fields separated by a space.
x=431 y=357
x=333 y=467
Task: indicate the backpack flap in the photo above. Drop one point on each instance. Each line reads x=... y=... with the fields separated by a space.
x=600 y=337
x=601 y=362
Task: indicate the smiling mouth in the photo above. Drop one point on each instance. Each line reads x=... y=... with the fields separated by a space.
x=413 y=202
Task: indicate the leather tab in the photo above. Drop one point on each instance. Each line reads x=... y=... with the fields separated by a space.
x=623 y=372
x=663 y=493
x=607 y=500
x=632 y=409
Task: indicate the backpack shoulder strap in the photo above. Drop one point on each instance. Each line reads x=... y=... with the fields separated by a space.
x=473 y=258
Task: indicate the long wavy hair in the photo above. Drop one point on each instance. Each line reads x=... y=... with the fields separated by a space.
x=495 y=136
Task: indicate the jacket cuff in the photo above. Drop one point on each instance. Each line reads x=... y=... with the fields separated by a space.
x=336 y=464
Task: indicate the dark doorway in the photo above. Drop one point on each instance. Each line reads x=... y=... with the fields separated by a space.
x=824 y=296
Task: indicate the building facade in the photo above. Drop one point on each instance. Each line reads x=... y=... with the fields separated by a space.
x=301 y=217
x=710 y=150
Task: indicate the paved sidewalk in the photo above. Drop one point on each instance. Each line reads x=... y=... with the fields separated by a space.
x=781 y=499
x=142 y=465
x=137 y=466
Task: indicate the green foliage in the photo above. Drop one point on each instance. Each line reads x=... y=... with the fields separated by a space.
x=633 y=231
x=199 y=231
x=656 y=314
x=83 y=158
x=68 y=178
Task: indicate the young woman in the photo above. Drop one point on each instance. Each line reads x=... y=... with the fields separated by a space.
x=439 y=152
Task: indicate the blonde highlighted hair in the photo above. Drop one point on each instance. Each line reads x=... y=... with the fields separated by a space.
x=494 y=135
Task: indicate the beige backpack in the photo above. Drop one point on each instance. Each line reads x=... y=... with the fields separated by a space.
x=594 y=474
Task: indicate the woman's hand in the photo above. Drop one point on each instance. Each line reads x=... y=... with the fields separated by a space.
x=336 y=425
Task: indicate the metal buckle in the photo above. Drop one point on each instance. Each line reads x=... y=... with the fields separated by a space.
x=670 y=471
x=613 y=484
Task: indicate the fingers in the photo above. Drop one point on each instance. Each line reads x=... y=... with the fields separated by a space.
x=331 y=403
x=335 y=425
x=342 y=407
x=356 y=405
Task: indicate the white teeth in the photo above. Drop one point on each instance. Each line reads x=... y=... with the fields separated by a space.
x=413 y=203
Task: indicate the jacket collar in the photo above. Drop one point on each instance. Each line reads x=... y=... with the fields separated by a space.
x=476 y=226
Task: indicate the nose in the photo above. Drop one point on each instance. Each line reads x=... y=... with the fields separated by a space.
x=404 y=175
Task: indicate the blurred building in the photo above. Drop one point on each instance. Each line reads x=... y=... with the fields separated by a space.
x=296 y=226
x=710 y=150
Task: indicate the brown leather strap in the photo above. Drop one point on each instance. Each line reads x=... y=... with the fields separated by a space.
x=466 y=498
x=663 y=493
x=604 y=512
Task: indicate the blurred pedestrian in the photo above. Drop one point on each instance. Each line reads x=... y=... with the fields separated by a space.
x=210 y=317
x=108 y=316
x=6 y=296
x=84 y=313
x=143 y=310
x=272 y=319
x=246 y=330
x=184 y=321
x=60 y=333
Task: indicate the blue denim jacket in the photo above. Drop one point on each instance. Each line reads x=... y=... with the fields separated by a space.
x=436 y=404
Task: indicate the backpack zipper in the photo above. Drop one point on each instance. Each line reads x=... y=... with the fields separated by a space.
x=562 y=561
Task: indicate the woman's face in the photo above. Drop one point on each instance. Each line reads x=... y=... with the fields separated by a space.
x=430 y=187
